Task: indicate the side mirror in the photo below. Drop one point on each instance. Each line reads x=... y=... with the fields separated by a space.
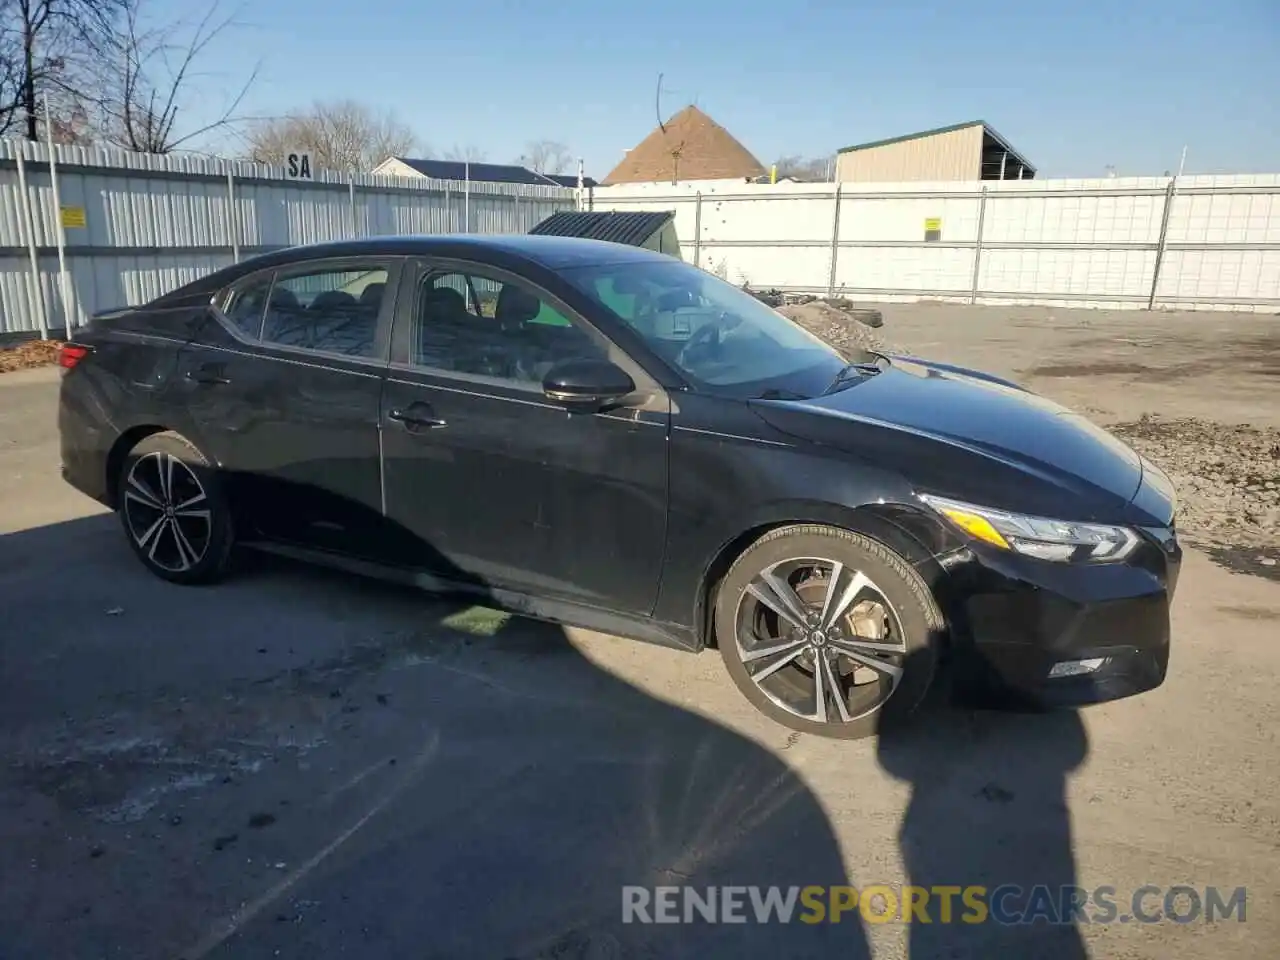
x=586 y=384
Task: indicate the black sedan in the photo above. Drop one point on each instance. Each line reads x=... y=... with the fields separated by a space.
x=607 y=437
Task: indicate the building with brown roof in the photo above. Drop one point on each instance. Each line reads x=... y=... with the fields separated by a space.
x=691 y=147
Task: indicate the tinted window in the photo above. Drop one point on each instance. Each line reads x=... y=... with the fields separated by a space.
x=714 y=332
x=246 y=306
x=477 y=325
x=335 y=311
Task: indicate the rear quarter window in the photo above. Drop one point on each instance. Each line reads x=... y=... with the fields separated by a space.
x=245 y=305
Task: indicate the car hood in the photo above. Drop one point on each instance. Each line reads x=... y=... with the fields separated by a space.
x=991 y=424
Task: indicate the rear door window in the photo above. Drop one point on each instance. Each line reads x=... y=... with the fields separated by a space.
x=330 y=310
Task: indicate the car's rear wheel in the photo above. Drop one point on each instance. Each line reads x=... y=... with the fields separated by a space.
x=173 y=510
x=827 y=631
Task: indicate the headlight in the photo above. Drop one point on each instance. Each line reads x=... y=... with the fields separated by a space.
x=1037 y=537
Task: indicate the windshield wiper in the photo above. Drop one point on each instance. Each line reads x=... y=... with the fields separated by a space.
x=850 y=373
x=773 y=393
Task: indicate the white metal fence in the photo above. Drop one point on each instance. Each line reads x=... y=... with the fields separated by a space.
x=1189 y=242
x=129 y=227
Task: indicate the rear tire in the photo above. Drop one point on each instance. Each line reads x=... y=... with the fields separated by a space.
x=174 y=511
x=827 y=631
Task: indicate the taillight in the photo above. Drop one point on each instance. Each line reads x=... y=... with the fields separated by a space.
x=71 y=354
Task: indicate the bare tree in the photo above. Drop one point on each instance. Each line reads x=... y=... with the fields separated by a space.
x=546 y=157
x=145 y=77
x=466 y=154
x=811 y=169
x=48 y=48
x=70 y=123
x=346 y=136
x=10 y=68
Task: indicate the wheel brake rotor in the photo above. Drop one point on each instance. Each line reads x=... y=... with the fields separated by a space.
x=866 y=620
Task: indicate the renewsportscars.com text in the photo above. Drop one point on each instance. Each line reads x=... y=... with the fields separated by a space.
x=1007 y=904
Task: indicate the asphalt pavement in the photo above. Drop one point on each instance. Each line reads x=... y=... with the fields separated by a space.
x=303 y=764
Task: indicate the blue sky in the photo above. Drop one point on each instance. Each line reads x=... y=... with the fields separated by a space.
x=1076 y=86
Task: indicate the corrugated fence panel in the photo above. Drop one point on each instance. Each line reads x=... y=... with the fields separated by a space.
x=1091 y=242
x=15 y=295
x=137 y=226
x=13 y=229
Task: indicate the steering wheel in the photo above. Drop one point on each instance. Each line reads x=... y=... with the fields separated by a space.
x=707 y=336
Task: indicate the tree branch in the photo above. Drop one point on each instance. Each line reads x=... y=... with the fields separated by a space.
x=143 y=87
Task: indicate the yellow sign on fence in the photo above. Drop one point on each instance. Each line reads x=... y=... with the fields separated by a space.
x=73 y=217
x=932 y=223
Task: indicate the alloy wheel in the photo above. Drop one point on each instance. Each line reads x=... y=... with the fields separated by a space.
x=167 y=512
x=820 y=640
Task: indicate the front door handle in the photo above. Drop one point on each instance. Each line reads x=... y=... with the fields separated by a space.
x=417 y=416
x=206 y=375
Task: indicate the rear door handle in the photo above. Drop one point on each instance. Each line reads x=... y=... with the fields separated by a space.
x=416 y=416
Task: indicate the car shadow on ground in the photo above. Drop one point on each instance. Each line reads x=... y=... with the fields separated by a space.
x=538 y=800
x=457 y=784
x=474 y=785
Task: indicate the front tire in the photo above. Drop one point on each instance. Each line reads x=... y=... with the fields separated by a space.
x=827 y=631
x=173 y=510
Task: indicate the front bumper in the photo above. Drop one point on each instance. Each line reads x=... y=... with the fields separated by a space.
x=1014 y=619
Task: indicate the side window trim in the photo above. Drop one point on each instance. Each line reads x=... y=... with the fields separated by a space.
x=417 y=272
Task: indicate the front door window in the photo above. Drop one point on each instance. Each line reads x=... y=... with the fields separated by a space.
x=479 y=326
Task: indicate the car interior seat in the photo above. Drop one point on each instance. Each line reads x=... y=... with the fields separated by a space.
x=445 y=306
x=339 y=323
x=443 y=322
x=331 y=301
x=371 y=296
x=516 y=307
x=285 y=323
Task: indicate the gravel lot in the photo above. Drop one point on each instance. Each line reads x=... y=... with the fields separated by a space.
x=1197 y=393
x=300 y=764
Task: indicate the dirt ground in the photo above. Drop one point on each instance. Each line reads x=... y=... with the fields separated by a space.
x=24 y=356
x=301 y=764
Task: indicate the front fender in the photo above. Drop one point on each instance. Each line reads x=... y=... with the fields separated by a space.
x=910 y=530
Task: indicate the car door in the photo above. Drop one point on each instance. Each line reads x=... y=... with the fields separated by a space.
x=495 y=477
x=285 y=390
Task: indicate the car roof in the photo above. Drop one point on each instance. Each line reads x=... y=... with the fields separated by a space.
x=502 y=250
x=546 y=251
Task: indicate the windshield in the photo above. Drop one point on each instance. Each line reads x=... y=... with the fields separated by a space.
x=716 y=334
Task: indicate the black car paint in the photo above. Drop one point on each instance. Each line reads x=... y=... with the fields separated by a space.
x=300 y=450
x=623 y=520
x=1007 y=434
x=545 y=475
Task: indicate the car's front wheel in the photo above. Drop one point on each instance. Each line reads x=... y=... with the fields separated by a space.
x=827 y=631
x=173 y=510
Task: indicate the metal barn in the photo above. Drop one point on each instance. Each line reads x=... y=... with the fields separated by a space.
x=965 y=151
x=652 y=230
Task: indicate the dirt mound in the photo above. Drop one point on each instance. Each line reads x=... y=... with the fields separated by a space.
x=841 y=326
x=1227 y=476
x=33 y=353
